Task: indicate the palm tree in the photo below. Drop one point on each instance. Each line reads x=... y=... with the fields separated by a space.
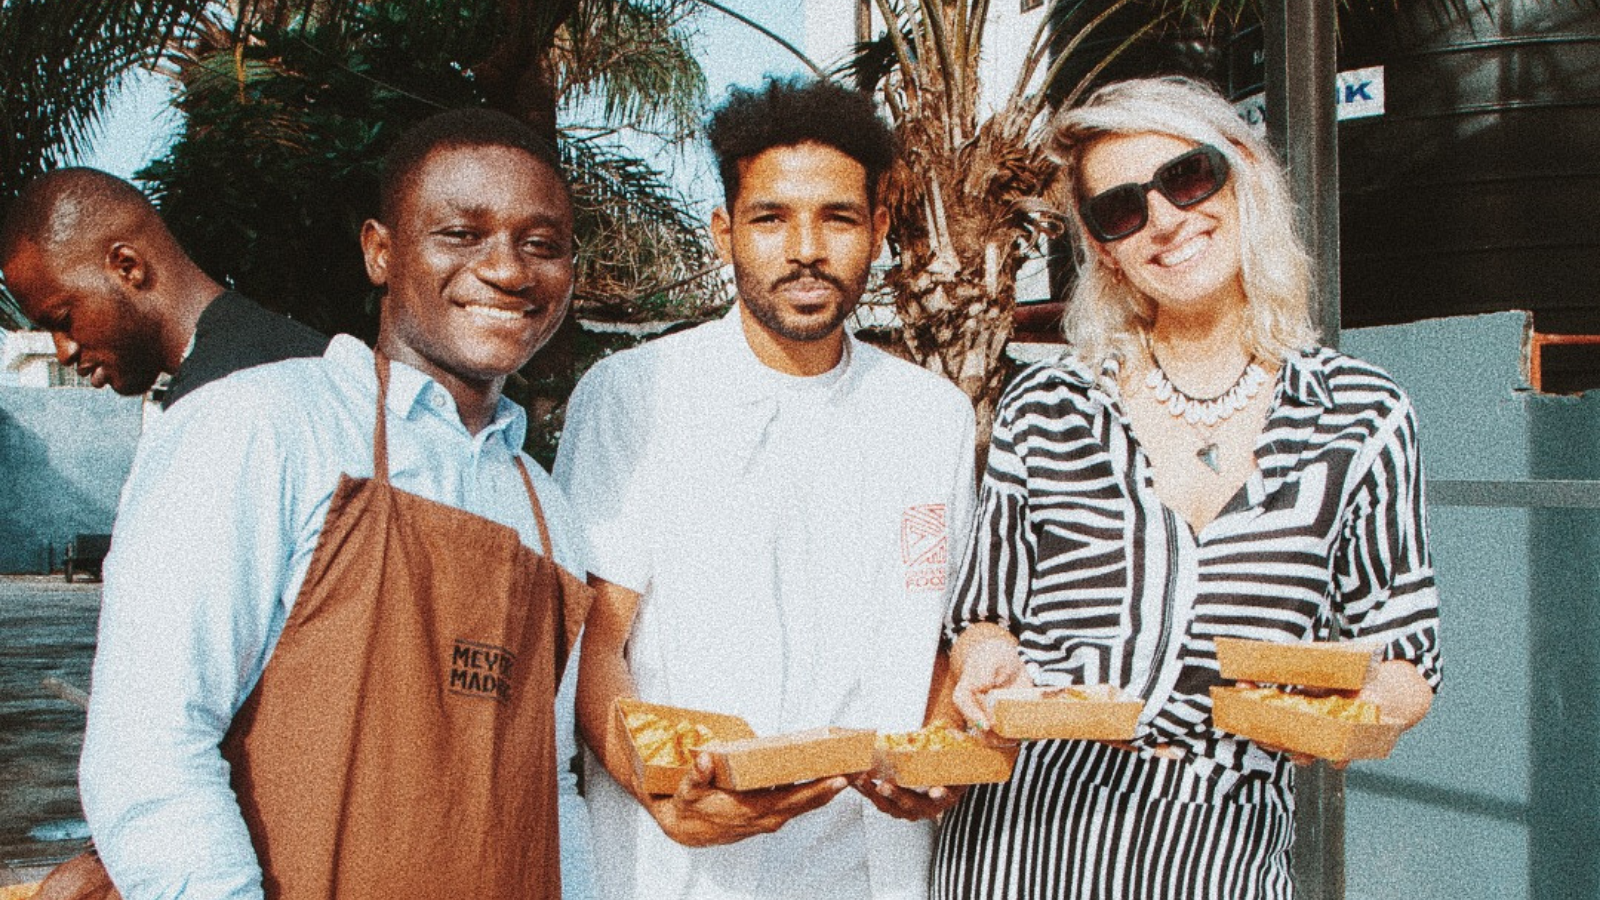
x=972 y=196
x=62 y=61
x=249 y=70
x=278 y=160
x=975 y=194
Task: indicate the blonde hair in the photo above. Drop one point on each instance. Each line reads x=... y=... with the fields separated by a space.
x=1105 y=314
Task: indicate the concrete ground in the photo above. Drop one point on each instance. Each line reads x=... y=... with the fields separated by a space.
x=47 y=630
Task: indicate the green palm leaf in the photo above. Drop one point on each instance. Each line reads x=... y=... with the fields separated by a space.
x=63 y=59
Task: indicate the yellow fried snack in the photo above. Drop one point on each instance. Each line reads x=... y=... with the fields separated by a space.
x=938 y=736
x=664 y=742
x=1334 y=707
x=1065 y=693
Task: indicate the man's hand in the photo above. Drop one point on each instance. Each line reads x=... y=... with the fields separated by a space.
x=983 y=659
x=700 y=815
x=906 y=803
x=79 y=878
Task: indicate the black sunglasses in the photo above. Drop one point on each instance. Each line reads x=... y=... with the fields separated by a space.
x=1185 y=180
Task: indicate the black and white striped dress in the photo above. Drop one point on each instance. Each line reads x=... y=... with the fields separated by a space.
x=1102 y=583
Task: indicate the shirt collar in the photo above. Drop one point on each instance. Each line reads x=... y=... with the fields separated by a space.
x=163 y=381
x=757 y=380
x=1305 y=377
x=1077 y=373
x=411 y=393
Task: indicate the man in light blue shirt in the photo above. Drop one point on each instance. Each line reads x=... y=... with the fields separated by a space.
x=257 y=506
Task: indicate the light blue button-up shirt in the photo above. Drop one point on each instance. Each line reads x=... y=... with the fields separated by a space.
x=220 y=516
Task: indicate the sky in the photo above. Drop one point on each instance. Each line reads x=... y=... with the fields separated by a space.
x=140 y=124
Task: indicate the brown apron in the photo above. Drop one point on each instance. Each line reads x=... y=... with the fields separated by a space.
x=401 y=741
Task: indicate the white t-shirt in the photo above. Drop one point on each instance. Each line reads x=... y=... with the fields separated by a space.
x=790 y=539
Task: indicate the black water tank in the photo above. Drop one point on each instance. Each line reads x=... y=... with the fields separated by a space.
x=1479 y=188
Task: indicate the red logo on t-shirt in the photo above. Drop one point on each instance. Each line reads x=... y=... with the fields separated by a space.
x=923 y=546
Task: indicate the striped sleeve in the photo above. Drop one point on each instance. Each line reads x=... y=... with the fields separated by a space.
x=1384 y=576
x=992 y=582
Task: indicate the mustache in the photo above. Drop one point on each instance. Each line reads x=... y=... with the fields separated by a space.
x=812 y=272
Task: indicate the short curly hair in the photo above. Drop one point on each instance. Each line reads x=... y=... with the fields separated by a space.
x=785 y=112
x=455 y=129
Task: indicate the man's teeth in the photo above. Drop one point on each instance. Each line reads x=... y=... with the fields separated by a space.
x=495 y=312
x=1189 y=250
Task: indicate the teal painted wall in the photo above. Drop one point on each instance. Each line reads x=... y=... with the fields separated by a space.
x=64 y=453
x=1496 y=794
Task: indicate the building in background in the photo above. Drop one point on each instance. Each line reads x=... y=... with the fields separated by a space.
x=28 y=359
x=65 y=449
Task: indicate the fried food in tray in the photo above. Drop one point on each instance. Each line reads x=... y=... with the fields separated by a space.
x=939 y=755
x=760 y=762
x=663 y=740
x=666 y=742
x=1099 y=712
x=1333 y=727
x=938 y=736
x=1336 y=665
x=1344 y=709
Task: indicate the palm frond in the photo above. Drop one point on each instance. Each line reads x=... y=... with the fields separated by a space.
x=63 y=59
x=869 y=63
x=636 y=63
x=641 y=251
x=768 y=33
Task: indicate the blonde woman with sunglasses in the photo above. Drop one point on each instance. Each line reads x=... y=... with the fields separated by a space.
x=1196 y=467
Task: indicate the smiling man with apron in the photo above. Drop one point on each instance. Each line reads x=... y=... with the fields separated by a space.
x=316 y=683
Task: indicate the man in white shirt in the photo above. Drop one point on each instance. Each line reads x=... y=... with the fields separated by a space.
x=768 y=503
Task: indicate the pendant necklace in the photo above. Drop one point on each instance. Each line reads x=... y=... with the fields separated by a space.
x=1203 y=414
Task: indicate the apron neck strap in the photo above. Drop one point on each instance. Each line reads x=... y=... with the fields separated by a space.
x=538 y=511
x=380 y=428
x=380 y=453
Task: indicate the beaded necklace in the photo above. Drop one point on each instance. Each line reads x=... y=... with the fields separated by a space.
x=1203 y=413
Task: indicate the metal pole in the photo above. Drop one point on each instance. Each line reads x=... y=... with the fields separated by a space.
x=1301 y=70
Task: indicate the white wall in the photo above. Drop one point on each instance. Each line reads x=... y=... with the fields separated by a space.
x=27 y=359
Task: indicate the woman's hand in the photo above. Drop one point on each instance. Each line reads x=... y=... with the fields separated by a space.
x=984 y=658
x=1399 y=691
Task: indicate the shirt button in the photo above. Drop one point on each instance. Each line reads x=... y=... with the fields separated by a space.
x=436 y=400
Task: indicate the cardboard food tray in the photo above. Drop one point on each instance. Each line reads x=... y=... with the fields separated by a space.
x=1299 y=730
x=1039 y=713
x=753 y=763
x=1337 y=665
x=663 y=779
x=969 y=762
